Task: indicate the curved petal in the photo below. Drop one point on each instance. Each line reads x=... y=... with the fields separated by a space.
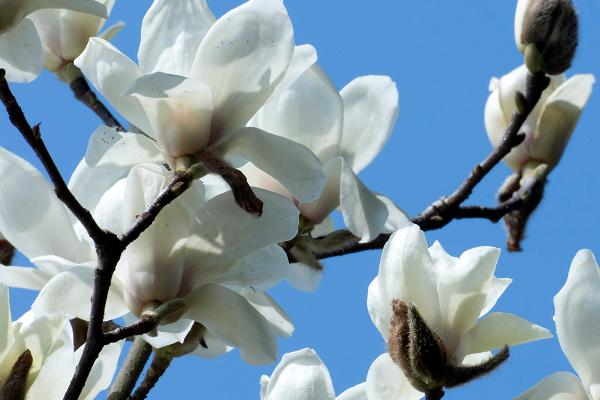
x=386 y=381
x=406 y=273
x=370 y=113
x=559 y=117
x=215 y=347
x=103 y=371
x=230 y=317
x=84 y=6
x=497 y=288
x=23 y=278
x=300 y=375
x=32 y=218
x=317 y=211
x=108 y=148
x=304 y=278
x=397 y=219
x=519 y=16
x=279 y=320
x=112 y=72
x=288 y=162
x=576 y=308
x=242 y=58
x=89 y=184
x=303 y=58
x=364 y=214
x=558 y=386
x=380 y=310
x=171 y=35
x=497 y=330
x=21 y=52
x=69 y=293
x=169 y=334
x=358 y=392
x=309 y=112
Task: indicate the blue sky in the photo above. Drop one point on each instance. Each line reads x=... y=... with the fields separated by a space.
x=442 y=55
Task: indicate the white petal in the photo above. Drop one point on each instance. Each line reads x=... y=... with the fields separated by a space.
x=215 y=347
x=171 y=35
x=497 y=288
x=559 y=117
x=89 y=184
x=380 y=310
x=40 y=335
x=370 y=112
x=316 y=211
x=242 y=58
x=231 y=318
x=300 y=375
x=288 y=162
x=364 y=214
x=6 y=330
x=519 y=16
x=576 y=308
x=84 y=6
x=112 y=31
x=405 y=273
x=23 y=278
x=397 y=219
x=70 y=292
x=500 y=329
x=303 y=58
x=32 y=218
x=303 y=277
x=386 y=381
x=279 y=320
x=21 y=52
x=558 y=386
x=309 y=112
x=108 y=148
x=462 y=291
x=111 y=72
x=358 y=392
x=103 y=371
x=170 y=333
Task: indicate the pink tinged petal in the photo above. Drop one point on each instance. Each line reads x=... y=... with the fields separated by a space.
x=275 y=315
x=242 y=58
x=576 y=316
x=288 y=162
x=406 y=273
x=559 y=117
x=358 y=392
x=364 y=214
x=462 y=290
x=380 y=310
x=179 y=110
x=300 y=375
x=32 y=218
x=397 y=219
x=497 y=330
x=230 y=317
x=316 y=211
x=386 y=381
x=370 y=113
x=23 y=278
x=69 y=293
x=21 y=52
x=154 y=262
x=171 y=35
x=558 y=386
x=309 y=112
x=112 y=72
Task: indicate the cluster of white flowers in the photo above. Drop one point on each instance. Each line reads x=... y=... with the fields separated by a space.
x=235 y=96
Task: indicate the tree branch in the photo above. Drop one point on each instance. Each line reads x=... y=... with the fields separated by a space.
x=132 y=368
x=157 y=369
x=82 y=91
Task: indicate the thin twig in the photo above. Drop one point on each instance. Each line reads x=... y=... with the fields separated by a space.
x=82 y=91
x=141 y=327
x=132 y=368
x=157 y=369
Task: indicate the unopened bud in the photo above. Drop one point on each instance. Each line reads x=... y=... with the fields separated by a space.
x=423 y=357
x=552 y=26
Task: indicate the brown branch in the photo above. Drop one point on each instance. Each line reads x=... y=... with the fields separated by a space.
x=141 y=327
x=449 y=208
x=82 y=91
x=137 y=357
x=155 y=372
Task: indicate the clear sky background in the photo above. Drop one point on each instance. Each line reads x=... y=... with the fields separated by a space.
x=442 y=55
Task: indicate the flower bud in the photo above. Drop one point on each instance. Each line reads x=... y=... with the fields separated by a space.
x=548 y=29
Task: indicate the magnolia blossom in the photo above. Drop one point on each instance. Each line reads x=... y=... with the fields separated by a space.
x=50 y=342
x=576 y=307
x=346 y=130
x=302 y=375
x=549 y=126
x=196 y=87
x=452 y=295
x=21 y=53
x=65 y=33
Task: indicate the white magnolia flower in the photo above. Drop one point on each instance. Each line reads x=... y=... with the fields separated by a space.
x=346 y=130
x=65 y=33
x=200 y=81
x=50 y=341
x=21 y=53
x=453 y=296
x=301 y=375
x=212 y=254
x=549 y=126
x=576 y=307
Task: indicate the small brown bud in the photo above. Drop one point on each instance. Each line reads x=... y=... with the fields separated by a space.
x=423 y=357
x=552 y=27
